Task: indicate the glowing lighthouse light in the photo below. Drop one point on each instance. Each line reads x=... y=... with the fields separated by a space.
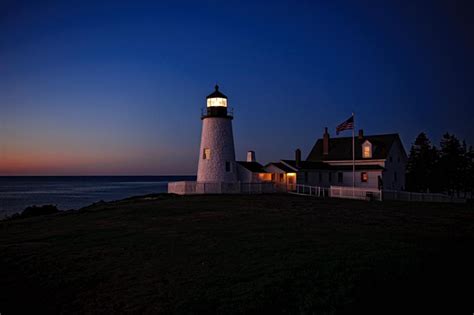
x=217 y=99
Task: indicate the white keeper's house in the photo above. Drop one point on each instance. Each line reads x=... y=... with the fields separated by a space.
x=380 y=160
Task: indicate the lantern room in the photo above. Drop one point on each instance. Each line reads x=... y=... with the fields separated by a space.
x=216 y=99
x=216 y=105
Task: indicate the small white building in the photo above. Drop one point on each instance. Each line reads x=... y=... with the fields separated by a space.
x=251 y=171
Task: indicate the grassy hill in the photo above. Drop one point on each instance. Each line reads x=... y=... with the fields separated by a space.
x=240 y=254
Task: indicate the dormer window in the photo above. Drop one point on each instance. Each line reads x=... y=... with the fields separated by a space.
x=367 y=150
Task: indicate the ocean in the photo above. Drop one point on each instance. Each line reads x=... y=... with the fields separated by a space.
x=74 y=192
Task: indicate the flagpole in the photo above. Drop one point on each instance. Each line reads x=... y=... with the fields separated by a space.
x=353 y=155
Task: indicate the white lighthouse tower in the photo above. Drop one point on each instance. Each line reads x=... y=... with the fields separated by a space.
x=217 y=153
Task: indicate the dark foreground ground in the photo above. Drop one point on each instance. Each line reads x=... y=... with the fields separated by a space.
x=240 y=254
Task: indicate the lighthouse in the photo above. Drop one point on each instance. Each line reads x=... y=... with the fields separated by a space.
x=217 y=153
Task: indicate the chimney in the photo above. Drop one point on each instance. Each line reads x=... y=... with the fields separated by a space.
x=251 y=156
x=298 y=157
x=326 y=142
x=361 y=134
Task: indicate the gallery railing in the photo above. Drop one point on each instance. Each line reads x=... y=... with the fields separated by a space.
x=216 y=111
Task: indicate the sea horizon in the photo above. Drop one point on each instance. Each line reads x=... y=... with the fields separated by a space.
x=172 y=175
x=76 y=191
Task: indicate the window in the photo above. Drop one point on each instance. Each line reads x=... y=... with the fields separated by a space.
x=364 y=177
x=206 y=154
x=339 y=177
x=228 y=167
x=367 y=150
x=291 y=178
x=273 y=177
x=282 y=177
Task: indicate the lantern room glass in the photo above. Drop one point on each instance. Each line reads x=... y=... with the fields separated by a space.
x=217 y=102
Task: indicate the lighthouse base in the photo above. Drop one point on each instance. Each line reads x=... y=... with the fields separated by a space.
x=193 y=188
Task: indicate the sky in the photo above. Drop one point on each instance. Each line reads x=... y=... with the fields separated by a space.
x=116 y=87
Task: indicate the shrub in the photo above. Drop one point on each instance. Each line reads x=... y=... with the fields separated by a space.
x=39 y=210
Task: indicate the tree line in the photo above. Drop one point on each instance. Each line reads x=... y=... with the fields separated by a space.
x=448 y=168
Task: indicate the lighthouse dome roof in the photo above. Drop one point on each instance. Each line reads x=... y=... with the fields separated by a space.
x=216 y=93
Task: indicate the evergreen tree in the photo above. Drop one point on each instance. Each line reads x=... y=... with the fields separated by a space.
x=435 y=179
x=452 y=164
x=421 y=165
x=469 y=178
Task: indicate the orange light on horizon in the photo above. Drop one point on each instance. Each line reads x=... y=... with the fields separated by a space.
x=52 y=164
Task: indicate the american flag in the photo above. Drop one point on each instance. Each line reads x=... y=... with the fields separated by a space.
x=347 y=125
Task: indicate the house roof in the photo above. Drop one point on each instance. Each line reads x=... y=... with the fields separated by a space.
x=341 y=148
x=254 y=167
x=216 y=93
x=281 y=166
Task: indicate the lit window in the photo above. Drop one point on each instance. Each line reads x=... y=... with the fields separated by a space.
x=364 y=177
x=217 y=102
x=291 y=178
x=367 y=150
x=206 y=154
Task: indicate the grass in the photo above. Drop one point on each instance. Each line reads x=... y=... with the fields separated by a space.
x=240 y=254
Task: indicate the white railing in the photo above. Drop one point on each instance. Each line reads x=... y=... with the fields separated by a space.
x=307 y=190
x=189 y=188
x=414 y=196
x=355 y=193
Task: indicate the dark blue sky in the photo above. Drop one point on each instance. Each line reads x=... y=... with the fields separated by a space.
x=116 y=87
